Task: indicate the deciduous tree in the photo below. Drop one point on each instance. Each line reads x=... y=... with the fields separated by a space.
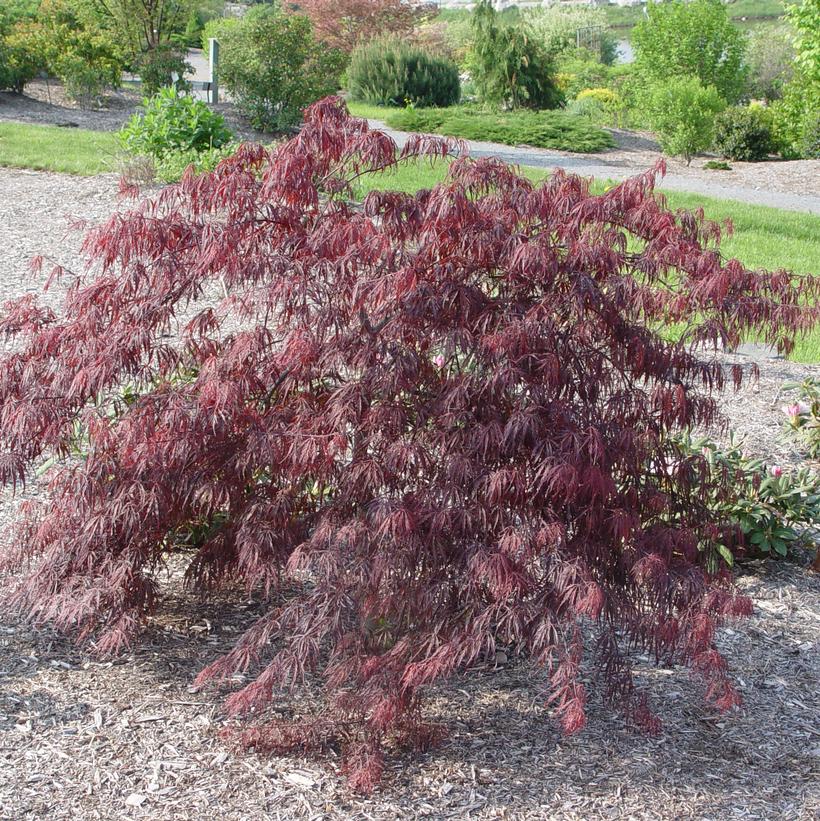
x=420 y=427
x=342 y=24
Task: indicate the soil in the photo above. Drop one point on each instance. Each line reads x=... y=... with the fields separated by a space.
x=83 y=739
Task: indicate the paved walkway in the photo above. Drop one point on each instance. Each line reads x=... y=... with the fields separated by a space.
x=597 y=166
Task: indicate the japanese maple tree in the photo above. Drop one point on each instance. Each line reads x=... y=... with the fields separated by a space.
x=342 y=24
x=420 y=427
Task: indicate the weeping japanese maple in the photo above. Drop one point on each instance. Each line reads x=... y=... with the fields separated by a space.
x=420 y=426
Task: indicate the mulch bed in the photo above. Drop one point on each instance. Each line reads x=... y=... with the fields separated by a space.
x=85 y=739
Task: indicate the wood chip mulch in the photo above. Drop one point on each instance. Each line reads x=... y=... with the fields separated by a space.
x=86 y=739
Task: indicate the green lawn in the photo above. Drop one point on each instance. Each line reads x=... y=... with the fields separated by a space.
x=49 y=148
x=763 y=237
x=369 y=111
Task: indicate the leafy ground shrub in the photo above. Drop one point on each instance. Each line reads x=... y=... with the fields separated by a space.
x=803 y=414
x=509 y=66
x=743 y=133
x=88 y=63
x=543 y=129
x=388 y=71
x=273 y=67
x=691 y=38
x=421 y=428
x=682 y=113
x=771 y=510
x=170 y=121
x=170 y=166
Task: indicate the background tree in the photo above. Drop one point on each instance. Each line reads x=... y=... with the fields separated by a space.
x=696 y=38
x=273 y=66
x=342 y=24
x=417 y=429
x=144 y=25
x=508 y=65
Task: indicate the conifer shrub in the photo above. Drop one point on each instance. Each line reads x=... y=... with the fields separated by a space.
x=388 y=71
x=419 y=428
x=560 y=130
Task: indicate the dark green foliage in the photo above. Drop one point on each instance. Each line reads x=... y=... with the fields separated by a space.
x=163 y=66
x=388 y=71
x=544 y=129
x=691 y=38
x=743 y=133
x=169 y=122
x=273 y=67
x=510 y=68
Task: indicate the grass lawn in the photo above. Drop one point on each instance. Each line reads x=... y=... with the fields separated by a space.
x=49 y=148
x=368 y=111
x=763 y=237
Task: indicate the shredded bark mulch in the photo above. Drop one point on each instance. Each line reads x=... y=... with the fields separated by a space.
x=82 y=738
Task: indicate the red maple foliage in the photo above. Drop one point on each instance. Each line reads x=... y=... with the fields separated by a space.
x=423 y=426
x=342 y=24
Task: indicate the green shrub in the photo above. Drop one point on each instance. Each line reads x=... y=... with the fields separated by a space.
x=682 y=113
x=796 y=120
x=509 y=66
x=544 y=129
x=87 y=62
x=273 y=67
x=69 y=45
x=743 y=133
x=217 y=29
x=691 y=37
x=602 y=105
x=198 y=18
x=163 y=66
x=387 y=71
x=171 y=122
x=22 y=56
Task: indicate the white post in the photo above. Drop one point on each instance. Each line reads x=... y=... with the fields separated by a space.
x=213 y=59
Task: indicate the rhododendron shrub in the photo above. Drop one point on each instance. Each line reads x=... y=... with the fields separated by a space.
x=420 y=427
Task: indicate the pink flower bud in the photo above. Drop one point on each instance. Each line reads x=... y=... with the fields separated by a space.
x=776 y=471
x=438 y=361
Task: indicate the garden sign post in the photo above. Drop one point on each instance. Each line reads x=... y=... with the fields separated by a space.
x=213 y=60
